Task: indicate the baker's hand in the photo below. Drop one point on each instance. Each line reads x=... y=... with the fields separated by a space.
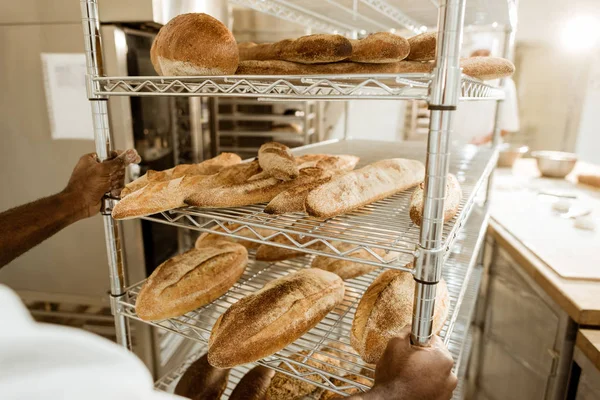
x=92 y=179
x=407 y=372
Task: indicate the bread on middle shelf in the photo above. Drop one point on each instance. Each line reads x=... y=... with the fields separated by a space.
x=266 y=321
x=451 y=203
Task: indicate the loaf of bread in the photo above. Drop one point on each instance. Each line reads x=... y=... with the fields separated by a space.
x=274 y=67
x=202 y=381
x=363 y=186
x=273 y=253
x=422 y=47
x=207 y=238
x=285 y=387
x=292 y=200
x=347 y=357
x=451 y=204
x=589 y=179
x=254 y=385
x=208 y=167
x=328 y=395
x=346 y=269
x=191 y=280
x=487 y=68
x=328 y=162
x=251 y=192
x=266 y=321
x=310 y=49
x=386 y=308
x=380 y=47
x=277 y=160
x=194 y=44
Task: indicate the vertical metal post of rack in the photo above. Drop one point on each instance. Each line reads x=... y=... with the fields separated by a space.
x=444 y=93
x=94 y=68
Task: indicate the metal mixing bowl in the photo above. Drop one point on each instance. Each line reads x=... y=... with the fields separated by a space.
x=555 y=164
x=510 y=153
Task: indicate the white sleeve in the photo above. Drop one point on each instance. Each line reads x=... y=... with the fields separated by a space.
x=45 y=361
x=509 y=108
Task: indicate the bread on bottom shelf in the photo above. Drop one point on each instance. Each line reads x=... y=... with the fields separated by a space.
x=253 y=385
x=451 y=203
x=202 y=381
x=191 y=280
x=386 y=308
x=328 y=395
x=266 y=321
x=347 y=269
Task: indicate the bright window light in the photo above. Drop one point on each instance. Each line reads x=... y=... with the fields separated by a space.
x=581 y=33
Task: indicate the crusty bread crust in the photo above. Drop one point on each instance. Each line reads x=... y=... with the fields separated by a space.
x=191 y=280
x=386 y=308
x=310 y=49
x=277 y=161
x=202 y=381
x=343 y=162
x=266 y=321
x=253 y=385
x=273 y=253
x=422 y=47
x=292 y=200
x=274 y=67
x=194 y=44
x=346 y=269
x=380 y=48
x=363 y=186
x=487 y=68
x=451 y=204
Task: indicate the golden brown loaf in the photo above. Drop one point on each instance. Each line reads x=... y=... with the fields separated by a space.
x=311 y=49
x=487 y=68
x=346 y=269
x=328 y=162
x=274 y=67
x=254 y=385
x=380 y=47
x=194 y=44
x=292 y=200
x=386 y=308
x=202 y=381
x=251 y=192
x=266 y=321
x=363 y=186
x=285 y=387
x=422 y=47
x=207 y=238
x=347 y=357
x=451 y=204
x=191 y=280
x=277 y=160
x=350 y=391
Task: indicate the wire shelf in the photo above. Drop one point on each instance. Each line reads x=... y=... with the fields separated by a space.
x=301 y=87
x=382 y=225
x=336 y=326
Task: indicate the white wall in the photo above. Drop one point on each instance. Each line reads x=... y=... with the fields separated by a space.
x=588 y=139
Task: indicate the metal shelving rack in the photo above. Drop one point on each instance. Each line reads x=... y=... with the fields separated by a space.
x=436 y=249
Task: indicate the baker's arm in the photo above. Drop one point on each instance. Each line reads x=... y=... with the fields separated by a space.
x=26 y=226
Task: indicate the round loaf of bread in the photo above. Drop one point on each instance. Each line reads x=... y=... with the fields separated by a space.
x=194 y=44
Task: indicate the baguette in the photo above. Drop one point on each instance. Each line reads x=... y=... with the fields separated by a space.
x=386 y=308
x=202 y=381
x=266 y=321
x=252 y=192
x=363 y=186
x=487 y=68
x=451 y=204
x=422 y=47
x=293 y=199
x=254 y=385
x=274 y=67
x=379 y=48
x=191 y=280
x=207 y=167
x=350 y=391
x=328 y=162
x=277 y=160
x=207 y=238
x=589 y=179
x=285 y=387
x=310 y=49
x=347 y=269
x=273 y=253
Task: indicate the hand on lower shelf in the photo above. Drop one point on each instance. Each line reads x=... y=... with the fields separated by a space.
x=407 y=372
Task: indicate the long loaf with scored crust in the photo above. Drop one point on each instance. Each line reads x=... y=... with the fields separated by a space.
x=379 y=48
x=363 y=186
x=191 y=280
x=274 y=67
x=277 y=161
x=254 y=385
x=386 y=308
x=266 y=321
x=451 y=204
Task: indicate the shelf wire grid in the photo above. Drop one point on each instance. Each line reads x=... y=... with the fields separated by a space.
x=410 y=86
x=334 y=330
x=383 y=225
